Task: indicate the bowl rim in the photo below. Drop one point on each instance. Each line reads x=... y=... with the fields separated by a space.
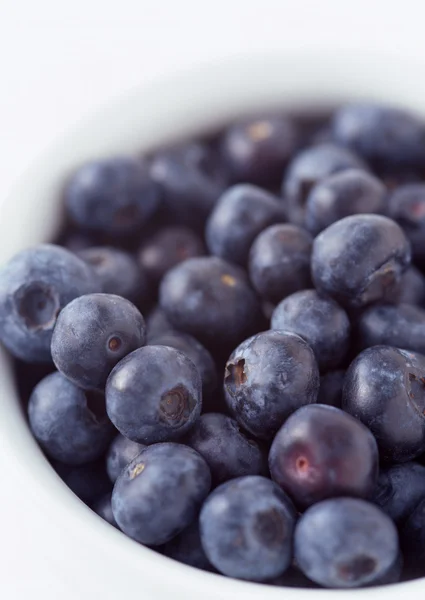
x=196 y=85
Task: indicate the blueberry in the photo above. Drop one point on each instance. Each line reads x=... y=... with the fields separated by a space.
x=246 y=528
x=256 y=150
x=308 y=168
x=321 y=452
x=349 y=192
x=196 y=352
x=267 y=378
x=227 y=450
x=114 y=196
x=190 y=180
x=345 y=543
x=154 y=395
x=187 y=548
x=92 y=334
x=157 y=324
x=330 y=391
x=320 y=321
x=360 y=259
x=407 y=207
x=241 y=213
x=411 y=289
x=210 y=299
x=399 y=490
x=402 y=326
x=88 y=482
x=413 y=541
x=120 y=453
x=34 y=286
x=103 y=508
x=160 y=493
x=279 y=261
x=166 y=249
x=384 y=388
x=69 y=426
x=386 y=136
x=118 y=273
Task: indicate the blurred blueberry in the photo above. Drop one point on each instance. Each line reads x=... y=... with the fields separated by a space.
x=279 y=261
x=309 y=167
x=166 y=249
x=360 y=259
x=386 y=136
x=241 y=213
x=115 y=196
x=349 y=192
x=34 y=286
x=118 y=273
x=256 y=150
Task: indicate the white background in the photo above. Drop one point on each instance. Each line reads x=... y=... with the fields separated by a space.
x=59 y=59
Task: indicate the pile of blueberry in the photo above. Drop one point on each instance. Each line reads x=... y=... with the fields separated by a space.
x=265 y=417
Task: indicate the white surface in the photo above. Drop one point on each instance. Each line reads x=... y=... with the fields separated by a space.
x=58 y=61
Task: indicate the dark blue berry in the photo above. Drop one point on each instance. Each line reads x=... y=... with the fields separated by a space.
x=160 y=493
x=103 y=507
x=402 y=326
x=267 y=378
x=345 y=543
x=166 y=249
x=360 y=259
x=407 y=207
x=194 y=350
x=212 y=300
x=114 y=196
x=349 y=192
x=399 y=490
x=411 y=289
x=120 y=453
x=279 y=261
x=187 y=548
x=92 y=334
x=320 y=321
x=242 y=212
x=89 y=482
x=246 y=529
x=227 y=450
x=256 y=150
x=385 y=389
x=70 y=426
x=386 y=136
x=308 y=168
x=190 y=180
x=154 y=395
x=413 y=541
x=330 y=391
x=117 y=272
x=34 y=286
x=321 y=452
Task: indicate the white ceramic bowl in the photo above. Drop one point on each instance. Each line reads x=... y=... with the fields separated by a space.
x=90 y=557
